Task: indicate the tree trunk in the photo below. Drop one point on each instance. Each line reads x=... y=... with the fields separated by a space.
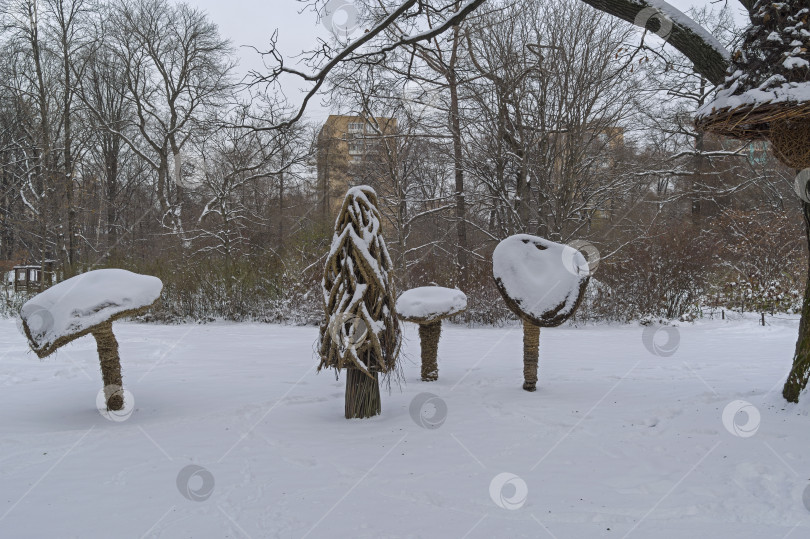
x=362 y=395
x=67 y=114
x=531 y=355
x=429 y=340
x=44 y=168
x=797 y=379
x=110 y=366
x=458 y=167
x=281 y=212
x=111 y=149
x=110 y=222
x=697 y=178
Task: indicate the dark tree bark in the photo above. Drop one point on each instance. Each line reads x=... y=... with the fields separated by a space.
x=67 y=16
x=797 y=379
x=708 y=61
x=44 y=168
x=458 y=166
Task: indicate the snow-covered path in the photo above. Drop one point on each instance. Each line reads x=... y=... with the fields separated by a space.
x=616 y=442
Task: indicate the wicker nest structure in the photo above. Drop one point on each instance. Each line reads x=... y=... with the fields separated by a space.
x=766 y=95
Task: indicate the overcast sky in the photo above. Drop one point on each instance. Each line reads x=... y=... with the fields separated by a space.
x=252 y=22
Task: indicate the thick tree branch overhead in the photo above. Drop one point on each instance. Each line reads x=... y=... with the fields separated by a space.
x=709 y=57
x=708 y=60
x=364 y=49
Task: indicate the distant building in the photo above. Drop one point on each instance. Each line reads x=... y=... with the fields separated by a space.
x=608 y=141
x=344 y=143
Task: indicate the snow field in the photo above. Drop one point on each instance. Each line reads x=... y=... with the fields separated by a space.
x=624 y=437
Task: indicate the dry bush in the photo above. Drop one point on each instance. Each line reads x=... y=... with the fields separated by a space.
x=763 y=262
x=662 y=275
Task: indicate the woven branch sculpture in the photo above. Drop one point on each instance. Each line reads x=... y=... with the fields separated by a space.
x=88 y=304
x=428 y=306
x=543 y=283
x=361 y=333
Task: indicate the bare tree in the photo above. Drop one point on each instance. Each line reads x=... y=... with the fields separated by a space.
x=403 y=160
x=551 y=117
x=237 y=167
x=68 y=32
x=176 y=66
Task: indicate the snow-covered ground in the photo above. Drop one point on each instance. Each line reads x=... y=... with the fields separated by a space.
x=617 y=441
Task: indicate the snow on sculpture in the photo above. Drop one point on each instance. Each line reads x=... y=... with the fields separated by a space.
x=89 y=303
x=427 y=306
x=361 y=333
x=543 y=283
x=766 y=94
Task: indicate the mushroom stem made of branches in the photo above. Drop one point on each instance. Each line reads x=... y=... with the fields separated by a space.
x=543 y=283
x=88 y=304
x=108 y=357
x=428 y=306
x=531 y=354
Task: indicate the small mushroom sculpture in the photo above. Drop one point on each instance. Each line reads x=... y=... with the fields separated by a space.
x=543 y=283
x=89 y=303
x=427 y=306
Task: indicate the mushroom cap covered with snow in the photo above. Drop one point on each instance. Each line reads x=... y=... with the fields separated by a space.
x=75 y=307
x=541 y=281
x=430 y=303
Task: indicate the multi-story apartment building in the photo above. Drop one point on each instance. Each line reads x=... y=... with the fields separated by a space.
x=345 y=143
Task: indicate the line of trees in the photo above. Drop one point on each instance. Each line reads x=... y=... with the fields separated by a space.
x=551 y=118
x=127 y=140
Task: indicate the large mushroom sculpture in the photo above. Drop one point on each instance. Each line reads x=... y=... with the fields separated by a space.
x=428 y=306
x=88 y=304
x=543 y=283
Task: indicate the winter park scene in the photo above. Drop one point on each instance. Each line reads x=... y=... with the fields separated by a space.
x=404 y=268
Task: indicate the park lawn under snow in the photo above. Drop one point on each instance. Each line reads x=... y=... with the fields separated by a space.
x=616 y=441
